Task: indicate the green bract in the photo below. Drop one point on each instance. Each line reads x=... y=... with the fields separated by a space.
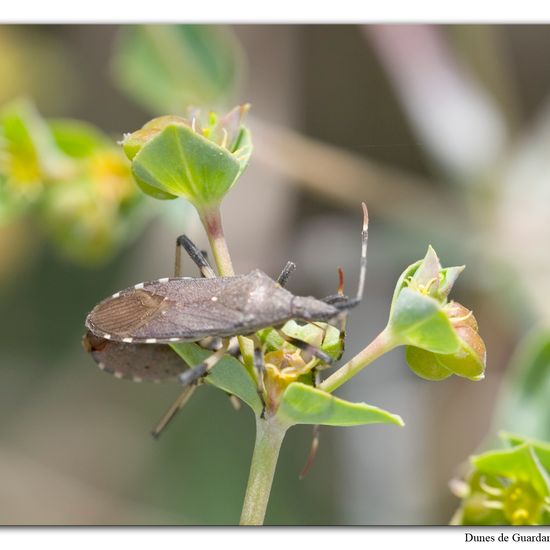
x=303 y=404
x=441 y=337
x=507 y=486
x=183 y=157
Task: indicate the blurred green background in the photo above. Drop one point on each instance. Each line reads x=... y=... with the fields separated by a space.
x=443 y=130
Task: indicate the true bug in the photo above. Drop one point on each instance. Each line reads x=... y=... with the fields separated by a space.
x=186 y=309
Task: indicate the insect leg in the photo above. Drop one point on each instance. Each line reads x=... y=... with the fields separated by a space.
x=285 y=273
x=259 y=365
x=312 y=451
x=316 y=436
x=195 y=254
x=174 y=408
x=304 y=346
x=213 y=344
x=341 y=318
x=192 y=375
x=235 y=401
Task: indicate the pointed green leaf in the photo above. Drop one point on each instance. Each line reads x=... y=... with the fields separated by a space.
x=229 y=374
x=447 y=279
x=427 y=273
x=418 y=320
x=303 y=404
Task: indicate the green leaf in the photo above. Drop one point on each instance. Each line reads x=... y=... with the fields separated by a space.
x=518 y=464
x=78 y=139
x=31 y=152
x=303 y=404
x=229 y=374
x=168 y=67
x=178 y=161
x=419 y=321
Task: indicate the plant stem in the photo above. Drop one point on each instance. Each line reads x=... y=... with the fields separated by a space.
x=212 y=221
x=269 y=433
x=269 y=436
x=383 y=343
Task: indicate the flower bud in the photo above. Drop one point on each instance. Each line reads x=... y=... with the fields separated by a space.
x=197 y=159
x=441 y=337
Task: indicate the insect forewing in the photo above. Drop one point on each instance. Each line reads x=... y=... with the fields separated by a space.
x=187 y=309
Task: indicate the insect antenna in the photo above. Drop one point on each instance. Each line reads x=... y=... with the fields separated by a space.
x=362 y=266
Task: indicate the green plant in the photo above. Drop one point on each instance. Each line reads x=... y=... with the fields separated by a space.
x=508 y=486
x=71 y=178
x=200 y=160
x=511 y=485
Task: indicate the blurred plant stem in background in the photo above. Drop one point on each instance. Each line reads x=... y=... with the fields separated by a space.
x=347 y=178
